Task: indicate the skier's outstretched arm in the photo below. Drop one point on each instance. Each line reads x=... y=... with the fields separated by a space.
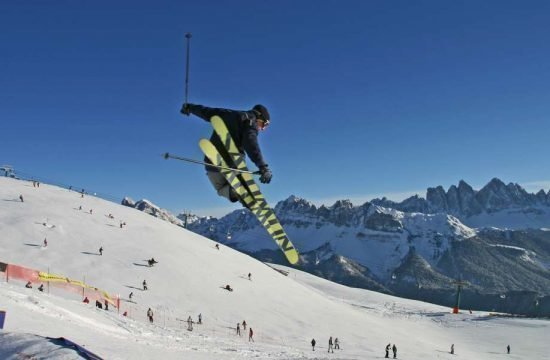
x=203 y=112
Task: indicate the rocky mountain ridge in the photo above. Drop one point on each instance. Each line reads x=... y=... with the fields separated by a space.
x=463 y=201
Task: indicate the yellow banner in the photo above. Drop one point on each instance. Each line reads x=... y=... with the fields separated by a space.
x=44 y=276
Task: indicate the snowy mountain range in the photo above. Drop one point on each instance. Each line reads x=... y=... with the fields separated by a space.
x=495 y=238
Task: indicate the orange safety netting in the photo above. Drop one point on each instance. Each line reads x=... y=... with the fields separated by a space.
x=22 y=273
x=58 y=281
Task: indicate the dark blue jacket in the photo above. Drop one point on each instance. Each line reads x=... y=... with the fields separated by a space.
x=241 y=126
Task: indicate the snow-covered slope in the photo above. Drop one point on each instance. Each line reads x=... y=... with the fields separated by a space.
x=284 y=311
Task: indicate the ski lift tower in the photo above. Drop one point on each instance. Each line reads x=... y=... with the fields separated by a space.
x=185 y=215
x=459 y=284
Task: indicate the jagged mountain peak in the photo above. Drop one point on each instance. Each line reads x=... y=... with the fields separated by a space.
x=295 y=204
x=384 y=201
x=464 y=186
x=463 y=201
x=150 y=208
x=497 y=196
x=128 y=202
x=346 y=204
x=499 y=186
x=295 y=200
x=496 y=183
x=145 y=202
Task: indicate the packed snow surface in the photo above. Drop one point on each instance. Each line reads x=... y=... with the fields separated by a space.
x=285 y=312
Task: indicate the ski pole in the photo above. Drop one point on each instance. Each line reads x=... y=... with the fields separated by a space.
x=188 y=37
x=170 y=156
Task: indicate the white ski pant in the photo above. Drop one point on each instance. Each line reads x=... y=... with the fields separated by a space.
x=220 y=184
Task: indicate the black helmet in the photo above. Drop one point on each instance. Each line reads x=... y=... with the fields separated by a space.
x=261 y=113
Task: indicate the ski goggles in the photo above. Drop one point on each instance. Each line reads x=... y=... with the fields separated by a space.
x=263 y=124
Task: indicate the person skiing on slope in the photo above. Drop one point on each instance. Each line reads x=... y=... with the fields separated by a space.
x=313 y=342
x=150 y=315
x=330 y=345
x=243 y=127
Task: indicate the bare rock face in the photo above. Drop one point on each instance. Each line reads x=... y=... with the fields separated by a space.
x=463 y=201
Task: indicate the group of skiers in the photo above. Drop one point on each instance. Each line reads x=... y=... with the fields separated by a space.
x=332 y=344
x=28 y=285
x=336 y=345
x=393 y=349
x=190 y=322
x=250 y=331
x=110 y=216
x=98 y=304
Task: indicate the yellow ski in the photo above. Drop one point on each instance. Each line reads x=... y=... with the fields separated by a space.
x=246 y=187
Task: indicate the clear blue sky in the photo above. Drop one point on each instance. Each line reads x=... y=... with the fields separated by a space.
x=366 y=97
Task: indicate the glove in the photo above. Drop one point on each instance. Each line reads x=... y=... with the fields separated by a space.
x=186 y=109
x=265 y=175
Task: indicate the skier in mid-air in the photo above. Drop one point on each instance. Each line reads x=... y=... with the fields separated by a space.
x=243 y=127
